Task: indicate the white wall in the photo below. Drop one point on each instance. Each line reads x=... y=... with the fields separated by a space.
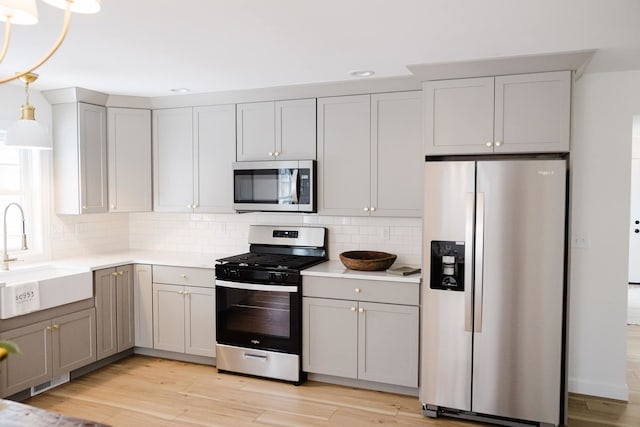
x=604 y=106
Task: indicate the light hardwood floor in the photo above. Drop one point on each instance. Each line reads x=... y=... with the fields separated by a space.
x=145 y=391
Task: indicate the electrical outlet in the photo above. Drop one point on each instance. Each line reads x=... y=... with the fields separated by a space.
x=580 y=241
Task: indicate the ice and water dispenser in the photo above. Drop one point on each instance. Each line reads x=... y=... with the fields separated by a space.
x=447 y=265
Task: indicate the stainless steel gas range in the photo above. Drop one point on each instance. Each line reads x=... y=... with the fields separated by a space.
x=259 y=302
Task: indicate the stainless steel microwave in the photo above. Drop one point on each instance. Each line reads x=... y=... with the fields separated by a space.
x=279 y=186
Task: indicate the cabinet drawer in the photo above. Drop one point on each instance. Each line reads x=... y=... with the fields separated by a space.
x=361 y=290
x=190 y=276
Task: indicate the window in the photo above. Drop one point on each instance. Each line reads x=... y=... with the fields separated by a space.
x=21 y=182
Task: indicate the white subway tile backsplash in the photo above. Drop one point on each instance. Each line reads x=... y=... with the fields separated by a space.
x=225 y=234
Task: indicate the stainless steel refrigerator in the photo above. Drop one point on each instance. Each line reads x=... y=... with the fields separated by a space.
x=494 y=289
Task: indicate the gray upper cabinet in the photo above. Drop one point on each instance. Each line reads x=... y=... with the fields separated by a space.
x=276 y=130
x=214 y=134
x=193 y=149
x=369 y=154
x=533 y=112
x=129 y=159
x=80 y=158
x=503 y=114
x=344 y=163
x=173 y=160
x=396 y=163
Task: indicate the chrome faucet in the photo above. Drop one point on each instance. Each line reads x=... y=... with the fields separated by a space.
x=5 y=257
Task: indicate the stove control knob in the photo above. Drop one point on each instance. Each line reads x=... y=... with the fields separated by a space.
x=278 y=277
x=233 y=274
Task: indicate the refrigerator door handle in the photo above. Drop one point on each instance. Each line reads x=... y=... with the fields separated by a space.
x=468 y=266
x=479 y=261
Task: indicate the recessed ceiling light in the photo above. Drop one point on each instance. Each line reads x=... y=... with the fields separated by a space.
x=362 y=73
x=180 y=90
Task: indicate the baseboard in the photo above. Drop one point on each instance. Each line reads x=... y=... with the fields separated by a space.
x=606 y=390
x=369 y=385
x=182 y=357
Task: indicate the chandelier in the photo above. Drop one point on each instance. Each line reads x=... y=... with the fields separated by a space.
x=25 y=12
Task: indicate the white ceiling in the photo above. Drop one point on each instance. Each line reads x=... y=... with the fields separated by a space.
x=146 y=47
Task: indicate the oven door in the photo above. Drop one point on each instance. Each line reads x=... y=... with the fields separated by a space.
x=274 y=186
x=260 y=316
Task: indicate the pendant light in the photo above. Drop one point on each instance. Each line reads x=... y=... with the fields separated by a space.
x=26 y=132
x=25 y=12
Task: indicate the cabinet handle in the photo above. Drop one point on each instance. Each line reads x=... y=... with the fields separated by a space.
x=113 y=206
x=361 y=310
x=184 y=276
x=84 y=208
x=190 y=207
x=181 y=292
x=357 y=290
x=270 y=154
x=498 y=143
x=277 y=153
x=372 y=209
x=120 y=273
x=115 y=273
x=489 y=144
x=56 y=326
x=366 y=209
x=195 y=206
x=48 y=328
x=353 y=309
x=186 y=293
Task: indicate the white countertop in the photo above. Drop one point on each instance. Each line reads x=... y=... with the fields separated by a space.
x=335 y=268
x=177 y=259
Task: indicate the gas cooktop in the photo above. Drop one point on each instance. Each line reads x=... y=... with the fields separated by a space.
x=275 y=261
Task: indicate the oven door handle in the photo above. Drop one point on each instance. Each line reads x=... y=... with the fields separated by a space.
x=256 y=287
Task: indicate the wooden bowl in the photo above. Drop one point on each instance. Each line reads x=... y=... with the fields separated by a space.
x=367 y=260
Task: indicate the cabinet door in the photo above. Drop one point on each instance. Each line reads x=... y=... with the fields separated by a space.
x=388 y=343
x=168 y=317
x=330 y=337
x=143 y=312
x=173 y=160
x=397 y=162
x=533 y=112
x=214 y=131
x=296 y=129
x=129 y=155
x=256 y=131
x=124 y=308
x=73 y=343
x=21 y=371
x=200 y=321
x=344 y=155
x=92 y=136
x=459 y=116
x=104 y=282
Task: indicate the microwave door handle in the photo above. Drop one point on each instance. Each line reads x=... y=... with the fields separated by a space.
x=294 y=184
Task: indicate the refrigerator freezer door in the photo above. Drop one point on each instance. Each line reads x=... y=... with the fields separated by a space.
x=446 y=314
x=517 y=353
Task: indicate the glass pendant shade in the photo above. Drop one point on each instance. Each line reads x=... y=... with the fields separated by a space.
x=22 y=12
x=78 y=6
x=27 y=133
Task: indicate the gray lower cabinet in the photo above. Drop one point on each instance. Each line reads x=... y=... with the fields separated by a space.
x=115 y=326
x=49 y=349
x=143 y=305
x=184 y=310
x=375 y=340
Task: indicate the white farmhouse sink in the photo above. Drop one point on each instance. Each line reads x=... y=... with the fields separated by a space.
x=56 y=285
